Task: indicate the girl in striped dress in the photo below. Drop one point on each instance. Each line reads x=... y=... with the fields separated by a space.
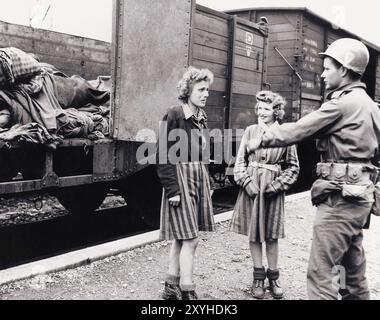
x=186 y=204
x=264 y=175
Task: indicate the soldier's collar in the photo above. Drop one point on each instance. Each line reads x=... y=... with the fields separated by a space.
x=344 y=89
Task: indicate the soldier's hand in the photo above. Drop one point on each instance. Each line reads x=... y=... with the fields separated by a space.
x=175 y=201
x=255 y=143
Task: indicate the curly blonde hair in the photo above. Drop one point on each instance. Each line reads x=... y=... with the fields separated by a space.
x=277 y=101
x=192 y=76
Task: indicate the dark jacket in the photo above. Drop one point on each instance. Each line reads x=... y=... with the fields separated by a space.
x=191 y=144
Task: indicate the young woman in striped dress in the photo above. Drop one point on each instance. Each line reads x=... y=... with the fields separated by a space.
x=186 y=205
x=264 y=175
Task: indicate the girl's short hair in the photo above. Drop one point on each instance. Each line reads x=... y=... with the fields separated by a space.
x=277 y=101
x=192 y=76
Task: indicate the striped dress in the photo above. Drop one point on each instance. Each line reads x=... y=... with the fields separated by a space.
x=189 y=179
x=263 y=218
x=195 y=212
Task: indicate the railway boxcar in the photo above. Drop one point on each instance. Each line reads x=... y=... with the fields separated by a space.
x=152 y=46
x=296 y=37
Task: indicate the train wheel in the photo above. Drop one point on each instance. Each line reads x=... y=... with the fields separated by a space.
x=143 y=194
x=82 y=199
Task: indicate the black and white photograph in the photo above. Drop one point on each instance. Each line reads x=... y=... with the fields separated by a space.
x=223 y=152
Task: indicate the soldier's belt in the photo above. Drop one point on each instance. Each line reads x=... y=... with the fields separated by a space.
x=353 y=173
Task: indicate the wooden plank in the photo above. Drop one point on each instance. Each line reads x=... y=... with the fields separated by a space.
x=249 y=53
x=219 y=84
x=314 y=40
x=281 y=27
x=41 y=47
x=219 y=70
x=246 y=88
x=211 y=40
x=312 y=76
x=244 y=101
x=211 y=24
x=215 y=125
x=72 y=52
x=22 y=43
x=248 y=64
x=280 y=70
x=286 y=80
x=288 y=53
x=284 y=36
x=242 y=118
x=248 y=76
x=216 y=99
x=311 y=97
x=215 y=114
x=275 y=18
x=282 y=44
x=210 y=54
x=49 y=36
x=313 y=26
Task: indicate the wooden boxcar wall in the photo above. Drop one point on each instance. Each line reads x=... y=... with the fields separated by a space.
x=300 y=36
x=313 y=42
x=71 y=54
x=285 y=35
x=377 y=94
x=238 y=67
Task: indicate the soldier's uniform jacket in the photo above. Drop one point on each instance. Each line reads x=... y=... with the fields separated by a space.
x=347 y=126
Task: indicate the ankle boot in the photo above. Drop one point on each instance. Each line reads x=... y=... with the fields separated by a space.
x=189 y=295
x=171 y=292
x=258 y=286
x=274 y=284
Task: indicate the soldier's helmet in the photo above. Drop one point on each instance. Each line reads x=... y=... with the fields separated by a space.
x=350 y=53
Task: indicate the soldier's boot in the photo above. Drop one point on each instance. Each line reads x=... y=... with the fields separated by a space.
x=258 y=286
x=274 y=284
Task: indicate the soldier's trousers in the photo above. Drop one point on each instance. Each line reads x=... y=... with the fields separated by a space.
x=337 y=261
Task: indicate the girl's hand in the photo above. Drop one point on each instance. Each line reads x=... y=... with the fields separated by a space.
x=251 y=190
x=270 y=191
x=175 y=201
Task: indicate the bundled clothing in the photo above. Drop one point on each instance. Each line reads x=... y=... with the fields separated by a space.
x=76 y=92
x=73 y=123
x=37 y=93
x=186 y=177
x=262 y=218
x=29 y=133
x=17 y=66
x=26 y=108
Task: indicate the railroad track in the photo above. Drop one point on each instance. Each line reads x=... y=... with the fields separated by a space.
x=28 y=238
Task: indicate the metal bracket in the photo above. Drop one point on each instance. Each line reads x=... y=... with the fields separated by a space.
x=50 y=180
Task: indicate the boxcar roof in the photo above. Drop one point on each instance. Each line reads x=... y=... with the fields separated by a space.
x=310 y=12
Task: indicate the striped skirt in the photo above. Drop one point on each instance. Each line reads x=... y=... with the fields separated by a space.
x=195 y=212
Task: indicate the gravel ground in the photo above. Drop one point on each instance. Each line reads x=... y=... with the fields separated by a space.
x=223 y=268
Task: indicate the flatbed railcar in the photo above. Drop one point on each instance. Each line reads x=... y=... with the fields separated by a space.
x=146 y=59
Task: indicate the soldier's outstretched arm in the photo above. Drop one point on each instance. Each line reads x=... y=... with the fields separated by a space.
x=316 y=124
